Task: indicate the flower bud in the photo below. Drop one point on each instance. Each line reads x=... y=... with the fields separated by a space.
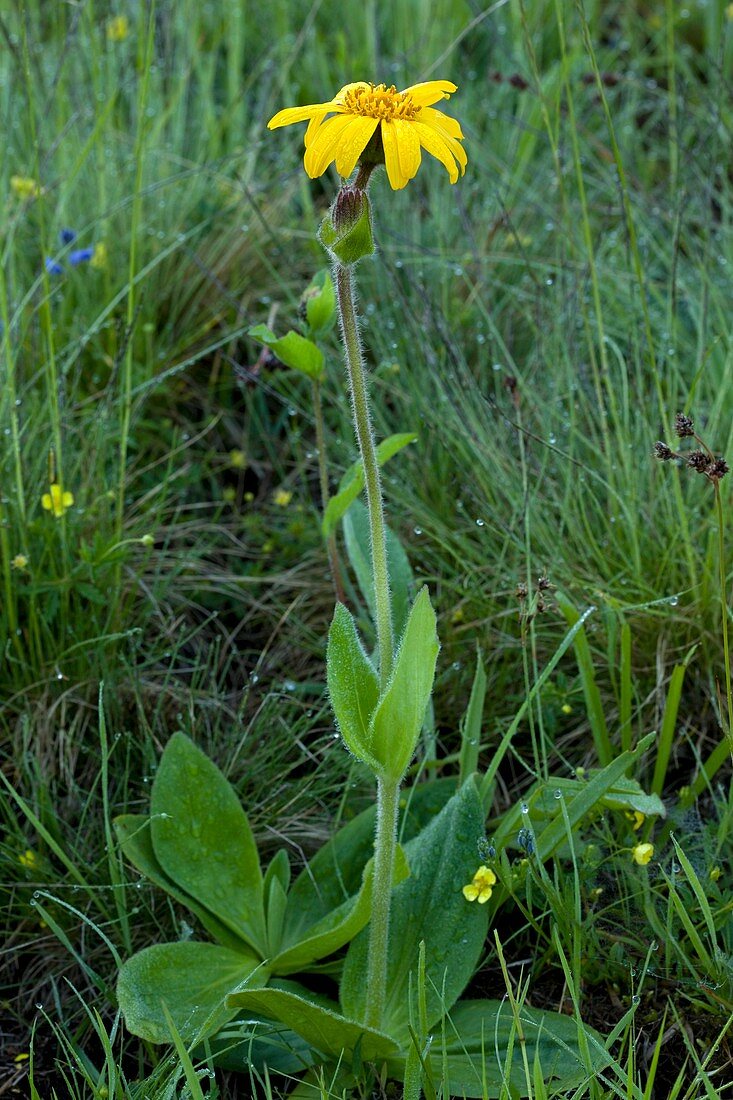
x=346 y=231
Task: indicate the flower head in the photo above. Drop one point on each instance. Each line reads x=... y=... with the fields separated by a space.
x=642 y=853
x=25 y=187
x=20 y=561
x=29 y=860
x=282 y=498
x=636 y=817
x=380 y=125
x=80 y=256
x=118 y=28
x=56 y=500
x=99 y=257
x=480 y=886
x=53 y=267
x=67 y=236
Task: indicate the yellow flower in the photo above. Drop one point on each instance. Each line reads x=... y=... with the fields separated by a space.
x=401 y=122
x=118 y=28
x=57 y=501
x=249 y=497
x=642 y=853
x=20 y=561
x=566 y=708
x=99 y=257
x=479 y=888
x=25 y=187
x=282 y=498
x=229 y=494
x=29 y=860
x=729 y=11
x=238 y=460
x=636 y=817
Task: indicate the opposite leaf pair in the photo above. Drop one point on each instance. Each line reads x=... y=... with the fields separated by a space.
x=382 y=730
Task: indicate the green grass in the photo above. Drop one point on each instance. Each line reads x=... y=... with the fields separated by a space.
x=539 y=325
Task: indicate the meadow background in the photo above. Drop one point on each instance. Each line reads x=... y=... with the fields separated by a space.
x=538 y=326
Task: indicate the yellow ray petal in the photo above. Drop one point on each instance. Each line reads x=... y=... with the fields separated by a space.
x=323 y=148
x=401 y=151
x=313 y=126
x=444 y=122
x=430 y=91
x=353 y=143
x=436 y=145
x=300 y=114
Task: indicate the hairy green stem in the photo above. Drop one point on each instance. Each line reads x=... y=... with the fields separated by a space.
x=333 y=560
x=384 y=851
x=368 y=451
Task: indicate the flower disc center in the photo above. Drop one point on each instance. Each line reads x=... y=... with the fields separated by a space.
x=379 y=101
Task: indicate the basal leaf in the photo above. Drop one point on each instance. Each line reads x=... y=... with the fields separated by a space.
x=134 y=834
x=203 y=841
x=478 y=1036
x=337 y=927
x=326 y=1031
x=191 y=979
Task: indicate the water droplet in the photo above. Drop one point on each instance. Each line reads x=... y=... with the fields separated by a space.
x=417 y=530
x=635 y=999
x=480 y=522
x=673 y=601
x=558 y=794
x=524 y=808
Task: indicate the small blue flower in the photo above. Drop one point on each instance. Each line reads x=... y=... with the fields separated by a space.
x=52 y=267
x=80 y=256
x=67 y=236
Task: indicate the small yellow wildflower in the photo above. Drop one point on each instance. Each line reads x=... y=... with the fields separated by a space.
x=238 y=460
x=399 y=122
x=479 y=888
x=29 y=860
x=229 y=494
x=249 y=496
x=57 y=501
x=99 y=257
x=729 y=11
x=282 y=497
x=25 y=187
x=642 y=853
x=118 y=28
x=716 y=871
x=566 y=708
x=20 y=561
x=636 y=817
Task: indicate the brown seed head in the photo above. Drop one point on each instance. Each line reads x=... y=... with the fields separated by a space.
x=663 y=452
x=698 y=460
x=683 y=425
x=718 y=468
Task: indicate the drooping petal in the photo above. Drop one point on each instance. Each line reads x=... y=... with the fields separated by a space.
x=290 y=115
x=313 y=126
x=324 y=146
x=437 y=145
x=401 y=151
x=353 y=143
x=430 y=91
x=444 y=122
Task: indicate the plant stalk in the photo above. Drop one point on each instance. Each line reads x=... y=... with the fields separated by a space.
x=388 y=791
x=367 y=448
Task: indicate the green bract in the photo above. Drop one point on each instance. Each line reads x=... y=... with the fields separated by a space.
x=346 y=231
